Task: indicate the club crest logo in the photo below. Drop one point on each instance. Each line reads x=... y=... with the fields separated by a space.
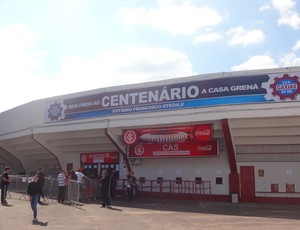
x=130 y=137
x=282 y=88
x=139 y=150
x=55 y=111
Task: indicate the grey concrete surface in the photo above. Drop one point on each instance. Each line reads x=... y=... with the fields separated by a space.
x=150 y=214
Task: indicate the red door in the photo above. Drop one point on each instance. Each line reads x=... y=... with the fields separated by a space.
x=247 y=184
x=69 y=167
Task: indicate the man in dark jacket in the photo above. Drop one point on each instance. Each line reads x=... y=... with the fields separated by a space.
x=105 y=188
x=34 y=190
x=4 y=185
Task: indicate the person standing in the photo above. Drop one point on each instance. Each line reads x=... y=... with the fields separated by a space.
x=131 y=186
x=61 y=179
x=42 y=176
x=67 y=183
x=114 y=179
x=34 y=191
x=4 y=185
x=80 y=175
x=73 y=175
x=105 y=189
x=82 y=184
x=132 y=180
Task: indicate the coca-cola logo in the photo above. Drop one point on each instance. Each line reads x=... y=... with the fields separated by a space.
x=202 y=148
x=203 y=132
x=200 y=133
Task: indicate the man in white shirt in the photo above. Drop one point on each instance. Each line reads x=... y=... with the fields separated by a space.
x=80 y=175
x=82 y=188
x=61 y=179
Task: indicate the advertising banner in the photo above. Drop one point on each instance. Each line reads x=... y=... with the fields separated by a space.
x=163 y=150
x=178 y=141
x=194 y=94
x=99 y=157
x=189 y=133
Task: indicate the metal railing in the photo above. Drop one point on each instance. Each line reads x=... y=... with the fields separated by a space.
x=169 y=189
x=89 y=190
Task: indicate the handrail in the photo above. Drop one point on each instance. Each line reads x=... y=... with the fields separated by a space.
x=90 y=189
x=183 y=189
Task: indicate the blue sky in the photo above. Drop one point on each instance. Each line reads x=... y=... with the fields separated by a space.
x=56 y=47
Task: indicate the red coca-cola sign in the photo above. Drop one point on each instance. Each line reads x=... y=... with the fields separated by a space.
x=178 y=141
x=203 y=132
x=166 y=150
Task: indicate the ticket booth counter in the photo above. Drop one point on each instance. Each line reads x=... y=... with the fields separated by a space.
x=94 y=164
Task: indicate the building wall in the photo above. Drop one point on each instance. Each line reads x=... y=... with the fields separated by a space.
x=208 y=168
x=281 y=173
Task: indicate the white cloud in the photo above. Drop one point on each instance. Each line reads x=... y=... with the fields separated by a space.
x=283 y=6
x=15 y=43
x=241 y=36
x=288 y=14
x=296 y=46
x=19 y=65
x=120 y=68
x=256 y=62
x=184 y=19
x=265 y=7
x=210 y=37
x=292 y=19
x=290 y=60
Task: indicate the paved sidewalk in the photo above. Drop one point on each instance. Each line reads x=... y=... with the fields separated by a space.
x=150 y=214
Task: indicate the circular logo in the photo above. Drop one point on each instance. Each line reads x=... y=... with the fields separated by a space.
x=286 y=87
x=83 y=158
x=130 y=137
x=55 y=111
x=139 y=150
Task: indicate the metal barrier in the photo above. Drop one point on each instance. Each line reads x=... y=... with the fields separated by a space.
x=50 y=188
x=89 y=190
x=169 y=189
x=73 y=192
x=191 y=190
x=18 y=184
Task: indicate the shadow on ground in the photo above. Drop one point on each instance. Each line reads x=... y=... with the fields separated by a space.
x=284 y=211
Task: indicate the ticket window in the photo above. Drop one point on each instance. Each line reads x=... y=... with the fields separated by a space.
x=91 y=171
x=111 y=166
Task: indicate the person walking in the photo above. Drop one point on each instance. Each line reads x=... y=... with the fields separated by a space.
x=4 y=185
x=34 y=191
x=105 y=189
x=61 y=179
x=42 y=176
